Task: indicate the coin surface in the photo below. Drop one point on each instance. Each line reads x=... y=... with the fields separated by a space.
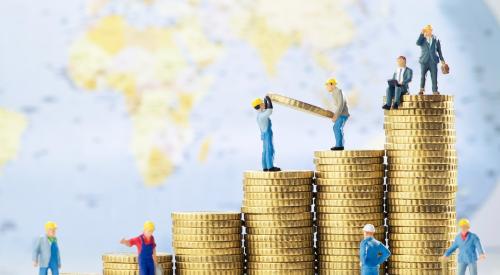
x=300 y=105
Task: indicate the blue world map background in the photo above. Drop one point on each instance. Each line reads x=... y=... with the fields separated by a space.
x=72 y=142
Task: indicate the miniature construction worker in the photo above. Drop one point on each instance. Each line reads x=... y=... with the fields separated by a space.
x=429 y=58
x=398 y=85
x=46 y=251
x=340 y=112
x=469 y=247
x=265 y=109
x=372 y=253
x=146 y=248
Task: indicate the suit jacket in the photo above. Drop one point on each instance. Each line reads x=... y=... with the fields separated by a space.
x=469 y=248
x=372 y=253
x=407 y=76
x=41 y=252
x=430 y=52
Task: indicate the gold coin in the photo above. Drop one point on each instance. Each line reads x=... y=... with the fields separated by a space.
x=422 y=174
x=125 y=272
x=407 y=271
x=338 y=252
x=278 y=175
x=414 y=161
x=353 y=182
x=419 y=126
x=351 y=210
x=351 y=188
x=418 y=251
x=420 y=112
x=358 y=175
x=350 y=154
x=426 y=223
x=324 y=205
x=235 y=271
x=422 y=216
x=281 y=259
x=420 y=146
x=414 y=119
x=205 y=231
x=132 y=257
x=207 y=251
x=420 y=266
x=330 y=244
x=426 y=105
x=401 y=202
x=346 y=230
x=346 y=238
x=348 y=161
x=210 y=258
x=421 y=208
x=133 y=266
x=209 y=266
x=290 y=265
x=421 y=181
x=421 y=140
x=419 y=132
x=422 y=188
x=279 y=196
x=420 y=195
x=353 y=264
x=432 y=98
x=278 y=238
x=351 y=217
x=280 y=217
x=187 y=244
x=340 y=196
x=251 y=271
x=205 y=223
x=206 y=216
x=279 y=251
x=336 y=223
x=280 y=230
x=276 y=210
x=415 y=258
x=275 y=245
x=300 y=105
x=207 y=238
x=420 y=244
x=278 y=189
x=277 y=182
x=271 y=203
x=329 y=271
x=291 y=223
x=422 y=230
x=350 y=168
x=421 y=237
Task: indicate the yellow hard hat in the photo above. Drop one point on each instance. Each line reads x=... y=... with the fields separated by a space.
x=428 y=27
x=256 y=102
x=50 y=225
x=331 y=81
x=149 y=226
x=463 y=222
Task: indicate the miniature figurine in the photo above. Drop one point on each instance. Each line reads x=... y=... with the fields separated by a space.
x=46 y=251
x=372 y=253
x=469 y=247
x=146 y=248
x=398 y=85
x=429 y=58
x=265 y=109
x=340 y=112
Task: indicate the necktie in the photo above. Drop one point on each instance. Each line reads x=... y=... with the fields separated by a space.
x=399 y=76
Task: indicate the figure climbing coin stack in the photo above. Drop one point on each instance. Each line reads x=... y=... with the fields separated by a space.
x=278 y=222
x=207 y=243
x=126 y=263
x=350 y=194
x=421 y=184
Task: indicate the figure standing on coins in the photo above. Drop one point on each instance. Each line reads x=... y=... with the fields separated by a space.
x=265 y=109
x=46 y=251
x=340 y=112
x=431 y=55
x=146 y=248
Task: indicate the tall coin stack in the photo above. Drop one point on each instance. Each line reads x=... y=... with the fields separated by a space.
x=350 y=194
x=207 y=243
x=279 y=222
x=126 y=263
x=422 y=184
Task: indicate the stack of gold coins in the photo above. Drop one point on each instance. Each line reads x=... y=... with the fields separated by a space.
x=126 y=263
x=350 y=194
x=208 y=243
x=278 y=222
x=421 y=184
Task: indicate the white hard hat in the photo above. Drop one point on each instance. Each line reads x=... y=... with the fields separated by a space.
x=369 y=228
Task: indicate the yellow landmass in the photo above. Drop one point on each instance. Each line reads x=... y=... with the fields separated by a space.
x=12 y=126
x=158 y=168
x=204 y=149
x=109 y=33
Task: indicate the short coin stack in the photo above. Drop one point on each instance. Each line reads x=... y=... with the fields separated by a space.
x=126 y=263
x=422 y=184
x=279 y=222
x=350 y=194
x=207 y=243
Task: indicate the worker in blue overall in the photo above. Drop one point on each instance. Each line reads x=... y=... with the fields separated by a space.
x=265 y=109
x=469 y=246
x=46 y=251
x=372 y=253
x=146 y=248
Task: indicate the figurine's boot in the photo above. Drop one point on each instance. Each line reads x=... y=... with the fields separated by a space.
x=274 y=169
x=265 y=169
x=421 y=92
x=386 y=107
x=436 y=93
x=395 y=106
x=340 y=148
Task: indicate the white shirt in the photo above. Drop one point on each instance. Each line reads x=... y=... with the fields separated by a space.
x=400 y=72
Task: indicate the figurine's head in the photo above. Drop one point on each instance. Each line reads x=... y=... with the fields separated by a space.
x=258 y=104
x=149 y=228
x=368 y=230
x=464 y=225
x=401 y=61
x=427 y=30
x=50 y=228
x=331 y=84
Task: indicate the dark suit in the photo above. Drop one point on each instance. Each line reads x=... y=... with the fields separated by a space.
x=396 y=91
x=430 y=57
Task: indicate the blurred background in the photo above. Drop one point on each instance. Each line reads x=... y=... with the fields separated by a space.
x=115 y=112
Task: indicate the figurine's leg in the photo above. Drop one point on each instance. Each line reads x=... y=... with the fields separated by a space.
x=270 y=153
x=461 y=268
x=264 y=153
x=43 y=271
x=54 y=269
x=473 y=268
x=389 y=95
x=338 y=131
x=398 y=92
x=434 y=70
x=423 y=71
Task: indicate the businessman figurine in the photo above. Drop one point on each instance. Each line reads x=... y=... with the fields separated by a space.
x=469 y=247
x=429 y=58
x=398 y=85
x=264 y=110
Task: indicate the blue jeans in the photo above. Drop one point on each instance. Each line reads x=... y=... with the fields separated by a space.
x=396 y=93
x=463 y=266
x=365 y=270
x=338 y=130
x=267 y=149
x=431 y=67
x=147 y=268
x=54 y=269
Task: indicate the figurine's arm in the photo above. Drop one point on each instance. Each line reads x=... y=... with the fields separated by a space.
x=362 y=253
x=126 y=242
x=59 y=256
x=408 y=80
x=36 y=251
x=385 y=253
x=268 y=102
x=339 y=98
x=452 y=249
x=421 y=39
x=155 y=258
x=440 y=52
x=479 y=247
